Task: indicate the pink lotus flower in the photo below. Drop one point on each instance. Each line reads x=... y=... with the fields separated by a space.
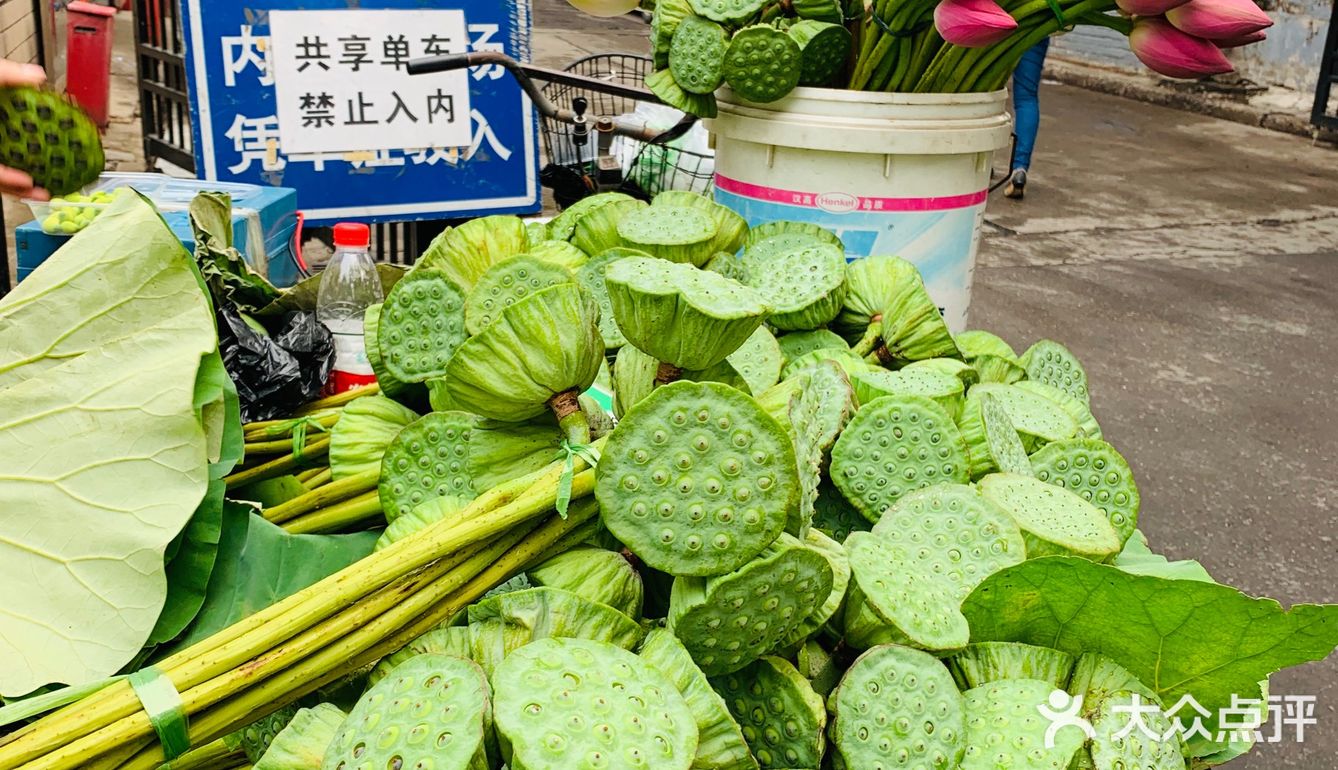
x=972 y=23
x=1219 y=19
x=1237 y=42
x=1148 y=7
x=1174 y=53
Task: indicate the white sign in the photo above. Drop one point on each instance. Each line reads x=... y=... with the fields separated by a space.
x=342 y=85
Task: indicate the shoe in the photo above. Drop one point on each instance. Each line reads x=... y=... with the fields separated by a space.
x=1017 y=184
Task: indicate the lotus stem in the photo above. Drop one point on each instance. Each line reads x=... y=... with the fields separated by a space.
x=211 y=756
x=883 y=357
x=567 y=407
x=282 y=446
x=263 y=428
x=339 y=517
x=307 y=475
x=329 y=494
x=312 y=452
x=667 y=373
x=338 y=400
x=323 y=476
x=872 y=338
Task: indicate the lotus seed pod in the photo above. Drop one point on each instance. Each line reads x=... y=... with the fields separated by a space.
x=824 y=48
x=1098 y=474
x=822 y=670
x=720 y=742
x=696 y=479
x=409 y=392
x=732 y=229
x=255 y=739
x=727 y=622
x=51 y=138
x=466 y=252
x=1051 y=363
x=663 y=85
x=893 y=446
x=997 y=369
x=782 y=718
x=873 y=283
x=544 y=347
x=823 y=382
x=992 y=443
x=420 y=517
x=1054 y=521
x=912 y=327
x=1096 y=677
x=975 y=343
x=796 y=344
x=762 y=64
x=804 y=420
x=668 y=15
x=506 y=283
x=727 y=11
x=1004 y=728
x=536 y=232
x=835 y=554
x=757 y=360
x=560 y=253
x=943 y=389
x=365 y=428
x=633 y=378
x=849 y=363
x=502 y=624
x=895 y=596
x=1116 y=747
x=729 y=266
x=805 y=287
x=953 y=532
x=834 y=516
x=563 y=226
x=302 y=743
x=1037 y=419
x=682 y=234
x=430 y=711
x=597 y=230
x=1088 y=427
x=819 y=10
x=962 y=371
x=578 y=703
x=772 y=239
x=985 y=662
x=422 y=324
x=591 y=276
x=898 y=708
x=697 y=55
x=682 y=316
x=452 y=640
x=596 y=575
x=428 y=459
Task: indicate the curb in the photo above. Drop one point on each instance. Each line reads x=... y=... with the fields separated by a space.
x=1143 y=89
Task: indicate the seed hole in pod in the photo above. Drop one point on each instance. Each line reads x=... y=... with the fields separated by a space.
x=396 y=763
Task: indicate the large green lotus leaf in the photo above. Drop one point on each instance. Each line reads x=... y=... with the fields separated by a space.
x=782 y=718
x=107 y=346
x=302 y=295
x=365 y=428
x=720 y=743
x=682 y=316
x=1179 y=637
x=546 y=344
x=595 y=574
x=189 y=568
x=465 y=253
x=1139 y=559
x=259 y=564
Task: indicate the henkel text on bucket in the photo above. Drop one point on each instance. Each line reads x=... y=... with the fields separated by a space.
x=899 y=174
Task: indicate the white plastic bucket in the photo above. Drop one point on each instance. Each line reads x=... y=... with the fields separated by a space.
x=899 y=174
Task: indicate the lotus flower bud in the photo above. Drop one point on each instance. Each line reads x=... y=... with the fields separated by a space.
x=1219 y=19
x=1236 y=42
x=1147 y=7
x=1173 y=53
x=972 y=23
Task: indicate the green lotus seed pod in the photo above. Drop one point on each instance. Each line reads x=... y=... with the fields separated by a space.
x=762 y=63
x=538 y=351
x=682 y=316
x=696 y=479
x=819 y=10
x=1088 y=427
x=662 y=84
x=365 y=428
x=804 y=287
x=848 y=362
x=975 y=343
x=943 y=389
x=1054 y=521
x=255 y=739
x=565 y=703
x=893 y=446
x=1098 y=474
x=953 y=532
x=536 y=232
x=421 y=326
x=728 y=621
x=420 y=517
x=998 y=369
x=563 y=226
x=824 y=49
x=729 y=266
x=506 y=283
x=834 y=516
x=817 y=665
x=668 y=15
x=596 y=575
x=430 y=711
x=757 y=360
x=560 y=253
x=633 y=378
x=301 y=745
x=992 y=442
x=597 y=230
x=697 y=55
x=727 y=11
x=502 y=624
x=452 y=640
x=898 y=707
x=1116 y=747
x=962 y=371
x=591 y=276
x=874 y=283
x=1005 y=728
x=674 y=233
x=1096 y=677
x=824 y=382
x=410 y=392
x=782 y=718
x=912 y=325
x=720 y=742
x=985 y=662
x=836 y=558
x=799 y=343
x=895 y=594
x=466 y=252
x=1038 y=420
x=1051 y=363
x=774 y=238
x=732 y=229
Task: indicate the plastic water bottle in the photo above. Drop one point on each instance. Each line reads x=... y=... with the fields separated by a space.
x=349 y=285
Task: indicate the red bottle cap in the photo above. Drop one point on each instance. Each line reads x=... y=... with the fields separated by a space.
x=353 y=234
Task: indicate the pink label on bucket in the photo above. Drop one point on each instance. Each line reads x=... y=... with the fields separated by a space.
x=842 y=203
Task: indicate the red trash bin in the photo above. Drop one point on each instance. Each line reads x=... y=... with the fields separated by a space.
x=88 y=71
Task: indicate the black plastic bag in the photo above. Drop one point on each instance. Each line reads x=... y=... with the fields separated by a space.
x=275 y=375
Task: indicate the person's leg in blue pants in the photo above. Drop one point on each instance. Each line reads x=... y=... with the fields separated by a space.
x=1026 y=114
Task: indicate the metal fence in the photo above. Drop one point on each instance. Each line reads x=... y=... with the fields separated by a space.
x=164 y=99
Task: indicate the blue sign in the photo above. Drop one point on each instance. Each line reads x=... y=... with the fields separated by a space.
x=236 y=114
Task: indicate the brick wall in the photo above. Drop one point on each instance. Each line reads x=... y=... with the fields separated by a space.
x=18 y=30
